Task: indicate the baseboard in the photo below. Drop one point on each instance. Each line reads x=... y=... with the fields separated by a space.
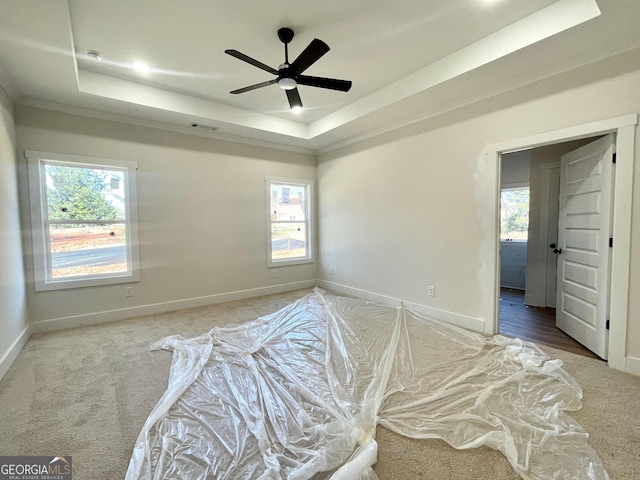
x=632 y=365
x=464 y=321
x=121 y=314
x=12 y=353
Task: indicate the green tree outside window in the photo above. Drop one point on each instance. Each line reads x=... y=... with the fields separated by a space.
x=514 y=214
x=83 y=194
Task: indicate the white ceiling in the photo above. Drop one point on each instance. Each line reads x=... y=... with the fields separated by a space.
x=407 y=60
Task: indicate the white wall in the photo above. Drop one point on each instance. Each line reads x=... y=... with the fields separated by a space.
x=13 y=310
x=400 y=216
x=411 y=209
x=202 y=217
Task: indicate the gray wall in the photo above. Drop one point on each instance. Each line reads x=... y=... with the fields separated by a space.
x=13 y=305
x=513 y=264
x=202 y=217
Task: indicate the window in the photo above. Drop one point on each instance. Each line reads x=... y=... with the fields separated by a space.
x=84 y=222
x=514 y=214
x=290 y=231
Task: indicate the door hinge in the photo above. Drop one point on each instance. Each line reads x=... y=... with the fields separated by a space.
x=608 y=324
x=614 y=158
x=610 y=242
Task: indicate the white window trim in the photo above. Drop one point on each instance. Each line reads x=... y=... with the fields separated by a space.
x=37 y=196
x=310 y=220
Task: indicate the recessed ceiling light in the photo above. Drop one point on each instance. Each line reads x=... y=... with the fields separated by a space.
x=94 y=54
x=141 y=67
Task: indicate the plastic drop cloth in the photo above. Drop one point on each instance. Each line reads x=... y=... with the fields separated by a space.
x=298 y=394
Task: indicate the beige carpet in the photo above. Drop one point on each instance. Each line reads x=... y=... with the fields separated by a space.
x=86 y=392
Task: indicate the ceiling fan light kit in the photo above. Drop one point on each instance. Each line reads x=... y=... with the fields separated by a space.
x=287 y=83
x=289 y=75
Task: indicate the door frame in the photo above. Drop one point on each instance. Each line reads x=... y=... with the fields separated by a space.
x=537 y=285
x=551 y=184
x=624 y=128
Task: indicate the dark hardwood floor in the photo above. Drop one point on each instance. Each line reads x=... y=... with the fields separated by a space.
x=535 y=324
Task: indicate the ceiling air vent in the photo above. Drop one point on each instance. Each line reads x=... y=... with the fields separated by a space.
x=203 y=126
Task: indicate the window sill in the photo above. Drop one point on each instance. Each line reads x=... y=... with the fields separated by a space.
x=285 y=263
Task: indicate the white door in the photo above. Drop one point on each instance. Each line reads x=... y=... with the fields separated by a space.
x=584 y=226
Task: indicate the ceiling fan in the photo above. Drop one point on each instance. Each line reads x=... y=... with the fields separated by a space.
x=289 y=75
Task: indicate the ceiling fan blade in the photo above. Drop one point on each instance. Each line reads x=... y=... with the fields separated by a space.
x=331 y=83
x=252 y=61
x=294 y=98
x=254 y=87
x=310 y=55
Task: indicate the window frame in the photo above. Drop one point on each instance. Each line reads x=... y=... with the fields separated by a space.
x=44 y=281
x=309 y=220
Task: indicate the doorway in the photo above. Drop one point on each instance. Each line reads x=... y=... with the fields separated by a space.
x=530 y=181
x=624 y=128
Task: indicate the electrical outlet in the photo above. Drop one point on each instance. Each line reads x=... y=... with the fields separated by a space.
x=330 y=270
x=431 y=291
x=274 y=274
x=128 y=291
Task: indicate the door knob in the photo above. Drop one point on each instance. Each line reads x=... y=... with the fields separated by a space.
x=557 y=250
x=553 y=245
